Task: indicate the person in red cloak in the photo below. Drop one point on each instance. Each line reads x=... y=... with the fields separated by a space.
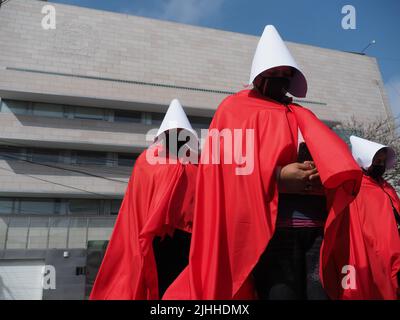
x=149 y=245
x=367 y=255
x=236 y=210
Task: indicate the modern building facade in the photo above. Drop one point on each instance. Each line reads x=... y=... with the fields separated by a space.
x=76 y=103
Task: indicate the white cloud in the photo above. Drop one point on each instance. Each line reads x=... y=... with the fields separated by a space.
x=185 y=11
x=393 y=91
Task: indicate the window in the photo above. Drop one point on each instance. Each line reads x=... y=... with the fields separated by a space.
x=156 y=118
x=95 y=253
x=3 y=231
x=11 y=153
x=89 y=113
x=91 y=158
x=54 y=110
x=84 y=206
x=79 y=157
x=16 y=107
x=6 y=205
x=45 y=155
x=126 y=160
x=127 y=116
x=199 y=122
x=115 y=205
x=39 y=206
x=48 y=110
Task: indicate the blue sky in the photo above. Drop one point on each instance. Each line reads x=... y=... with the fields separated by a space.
x=311 y=22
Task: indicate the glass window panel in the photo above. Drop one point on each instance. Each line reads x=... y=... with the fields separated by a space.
x=199 y=122
x=16 y=107
x=77 y=233
x=100 y=228
x=6 y=205
x=127 y=116
x=17 y=233
x=38 y=233
x=91 y=158
x=38 y=206
x=48 y=110
x=11 y=153
x=89 y=113
x=84 y=206
x=58 y=233
x=3 y=231
x=62 y=205
x=45 y=155
x=156 y=118
x=126 y=160
x=95 y=254
x=115 y=205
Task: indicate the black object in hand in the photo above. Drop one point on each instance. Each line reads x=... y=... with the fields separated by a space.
x=304 y=154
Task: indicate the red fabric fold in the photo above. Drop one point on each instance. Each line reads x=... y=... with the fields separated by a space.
x=370 y=243
x=158 y=200
x=235 y=214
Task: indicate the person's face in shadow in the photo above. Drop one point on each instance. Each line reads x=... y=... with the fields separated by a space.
x=378 y=166
x=274 y=83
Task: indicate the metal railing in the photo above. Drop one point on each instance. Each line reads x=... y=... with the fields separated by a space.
x=48 y=232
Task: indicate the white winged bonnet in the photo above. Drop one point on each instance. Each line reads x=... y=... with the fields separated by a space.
x=176 y=118
x=272 y=52
x=364 y=152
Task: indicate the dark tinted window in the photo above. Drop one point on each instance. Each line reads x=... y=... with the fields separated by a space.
x=126 y=160
x=91 y=158
x=127 y=116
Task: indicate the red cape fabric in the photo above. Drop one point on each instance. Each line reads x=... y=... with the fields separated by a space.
x=235 y=214
x=369 y=241
x=158 y=199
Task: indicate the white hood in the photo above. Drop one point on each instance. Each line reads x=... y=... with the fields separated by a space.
x=364 y=152
x=272 y=52
x=176 y=118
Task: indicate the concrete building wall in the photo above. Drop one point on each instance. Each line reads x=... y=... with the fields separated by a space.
x=81 y=134
x=19 y=178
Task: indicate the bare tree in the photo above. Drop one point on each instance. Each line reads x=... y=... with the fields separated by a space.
x=383 y=130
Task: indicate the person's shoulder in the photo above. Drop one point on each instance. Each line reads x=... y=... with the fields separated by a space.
x=228 y=101
x=140 y=164
x=247 y=103
x=301 y=108
x=154 y=162
x=142 y=157
x=152 y=152
x=230 y=105
x=382 y=183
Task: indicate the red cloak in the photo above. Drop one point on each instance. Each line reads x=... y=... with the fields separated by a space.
x=370 y=243
x=158 y=199
x=235 y=214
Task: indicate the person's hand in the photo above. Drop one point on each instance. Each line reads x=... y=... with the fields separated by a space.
x=300 y=178
x=315 y=186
